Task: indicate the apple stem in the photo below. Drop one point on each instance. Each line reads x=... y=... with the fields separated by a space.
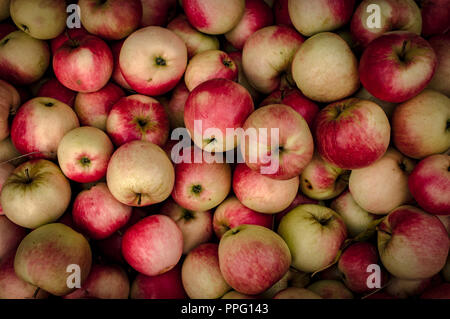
x=403 y=51
x=28 y=175
x=139 y=198
x=36 y=292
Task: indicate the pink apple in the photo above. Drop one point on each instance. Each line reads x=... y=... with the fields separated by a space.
x=281 y=13
x=137 y=117
x=54 y=89
x=208 y=118
x=208 y=65
x=441 y=78
x=283 y=155
x=231 y=213
x=331 y=289
x=435 y=16
x=93 y=108
x=429 y=184
x=242 y=78
x=296 y=293
x=361 y=121
x=208 y=17
x=157 y=12
x=175 y=107
x=252 y=258
x=110 y=19
x=201 y=273
x=68 y=34
x=153 y=245
x=261 y=193
x=397 y=66
x=197 y=227
x=165 y=286
x=412 y=244
x=9 y=102
x=117 y=75
x=10 y=237
x=401 y=15
x=83 y=64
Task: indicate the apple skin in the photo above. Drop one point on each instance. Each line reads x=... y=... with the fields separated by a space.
x=208 y=65
x=9 y=102
x=117 y=75
x=4 y=9
x=401 y=15
x=208 y=17
x=310 y=18
x=440 y=80
x=429 y=184
x=295 y=99
x=361 y=121
x=242 y=78
x=83 y=64
x=110 y=19
x=68 y=34
x=295 y=143
x=293 y=278
x=281 y=13
x=201 y=274
x=103 y=282
x=41 y=19
x=419 y=125
x=209 y=103
x=36 y=193
x=153 y=53
x=196 y=187
x=263 y=64
x=314 y=235
x=321 y=180
x=165 y=286
x=10 y=237
x=403 y=288
x=33 y=121
x=93 y=108
x=331 y=289
x=157 y=12
x=23 y=59
x=54 y=89
x=387 y=107
x=98 y=214
x=257 y=15
x=435 y=17
x=397 y=66
x=232 y=213
x=61 y=246
x=153 y=245
x=298 y=200
x=296 y=293
x=325 y=68
x=236 y=295
x=196 y=226
x=412 y=244
x=196 y=42
x=140 y=174
x=252 y=258
x=382 y=186
x=445 y=220
x=439 y=292
x=175 y=107
x=137 y=117
x=261 y=193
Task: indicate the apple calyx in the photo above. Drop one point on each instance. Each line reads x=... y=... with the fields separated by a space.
x=160 y=61
x=227 y=62
x=188 y=215
x=85 y=161
x=196 y=189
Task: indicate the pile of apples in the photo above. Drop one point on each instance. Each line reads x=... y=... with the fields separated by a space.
x=94 y=95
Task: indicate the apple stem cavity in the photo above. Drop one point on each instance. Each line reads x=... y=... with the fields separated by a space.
x=402 y=54
x=27 y=174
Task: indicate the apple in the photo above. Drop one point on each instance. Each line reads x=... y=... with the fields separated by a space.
x=196 y=42
x=232 y=213
x=36 y=193
x=236 y=295
x=298 y=200
x=196 y=226
x=212 y=125
x=54 y=89
x=93 y=108
x=267 y=56
x=208 y=17
x=404 y=288
x=387 y=107
x=110 y=19
x=9 y=102
x=8 y=153
x=35 y=119
x=321 y=180
x=257 y=15
x=439 y=292
x=412 y=244
x=23 y=59
x=395 y=15
x=62 y=247
x=140 y=174
x=117 y=75
x=165 y=286
x=6 y=170
x=325 y=68
x=331 y=289
x=42 y=19
x=295 y=99
x=207 y=65
x=153 y=245
x=310 y=18
x=201 y=274
x=4 y=9
x=382 y=186
x=262 y=193
x=103 y=282
x=157 y=12
x=137 y=117
x=68 y=34
x=175 y=107
x=296 y=293
x=10 y=237
x=252 y=258
x=293 y=278
x=397 y=66
x=357 y=220
x=429 y=183
x=242 y=78
x=200 y=185
x=281 y=13
x=435 y=16
x=440 y=80
x=83 y=64
x=361 y=121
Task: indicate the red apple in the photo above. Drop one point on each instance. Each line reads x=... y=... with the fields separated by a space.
x=117 y=75
x=435 y=16
x=157 y=12
x=281 y=13
x=54 y=89
x=68 y=34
